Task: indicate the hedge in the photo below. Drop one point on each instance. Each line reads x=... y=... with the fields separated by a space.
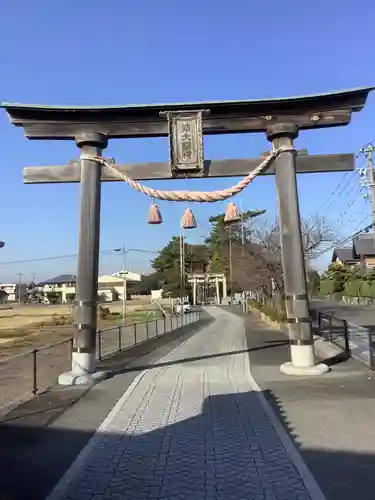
x=357 y=288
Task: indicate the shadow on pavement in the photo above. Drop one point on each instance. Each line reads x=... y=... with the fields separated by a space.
x=201 y=358
x=217 y=453
x=337 y=359
x=344 y=475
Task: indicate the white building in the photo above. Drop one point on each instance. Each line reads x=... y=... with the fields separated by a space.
x=62 y=289
x=156 y=294
x=10 y=292
x=58 y=290
x=111 y=286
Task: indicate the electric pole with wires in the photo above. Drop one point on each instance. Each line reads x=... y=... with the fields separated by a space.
x=370 y=178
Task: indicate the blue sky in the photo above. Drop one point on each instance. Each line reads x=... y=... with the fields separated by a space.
x=118 y=52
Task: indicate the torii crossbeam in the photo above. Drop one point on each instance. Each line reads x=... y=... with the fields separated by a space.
x=212 y=168
x=185 y=124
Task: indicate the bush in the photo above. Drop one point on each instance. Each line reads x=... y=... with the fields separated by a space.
x=104 y=312
x=255 y=304
x=275 y=313
x=353 y=288
x=367 y=289
x=70 y=297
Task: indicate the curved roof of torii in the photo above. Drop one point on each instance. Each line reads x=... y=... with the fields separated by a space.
x=341 y=97
x=134 y=120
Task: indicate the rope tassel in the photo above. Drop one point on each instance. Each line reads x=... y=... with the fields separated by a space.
x=188 y=220
x=154 y=215
x=231 y=214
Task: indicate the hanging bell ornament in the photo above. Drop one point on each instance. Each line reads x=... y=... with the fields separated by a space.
x=154 y=215
x=188 y=220
x=231 y=214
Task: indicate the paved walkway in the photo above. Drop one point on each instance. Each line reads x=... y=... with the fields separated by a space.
x=195 y=426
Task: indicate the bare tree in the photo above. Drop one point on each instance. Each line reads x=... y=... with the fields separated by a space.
x=255 y=268
x=316 y=233
x=263 y=252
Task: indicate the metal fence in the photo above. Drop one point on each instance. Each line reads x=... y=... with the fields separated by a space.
x=35 y=371
x=335 y=330
x=355 y=341
x=119 y=338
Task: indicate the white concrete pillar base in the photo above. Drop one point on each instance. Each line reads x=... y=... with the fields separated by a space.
x=83 y=371
x=302 y=355
x=308 y=371
x=303 y=362
x=71 y=378
x=83 y=362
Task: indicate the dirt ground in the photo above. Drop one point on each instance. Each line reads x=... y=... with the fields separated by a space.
x=17 y=372
x=38 y=343
x=25 y=315
x=30 y=326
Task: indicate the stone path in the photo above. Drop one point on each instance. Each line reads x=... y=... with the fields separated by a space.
x=193 y=427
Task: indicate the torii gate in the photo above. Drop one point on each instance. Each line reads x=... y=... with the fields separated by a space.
x=185 y=124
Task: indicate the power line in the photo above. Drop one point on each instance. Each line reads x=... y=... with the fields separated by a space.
x=331 y=195
x=347 y=190
x=335 y=194
x=348 y=238
x=67 y=256
x=342 y=191
x=350 y=205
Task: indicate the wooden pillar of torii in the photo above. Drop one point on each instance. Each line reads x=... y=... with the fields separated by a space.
x=280 y=119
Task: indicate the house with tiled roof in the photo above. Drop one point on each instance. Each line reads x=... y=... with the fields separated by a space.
x=62 y=288
x=59 y=289
x=361 y=251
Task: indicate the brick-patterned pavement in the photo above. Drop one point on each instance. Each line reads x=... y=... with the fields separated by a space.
x=193 y=427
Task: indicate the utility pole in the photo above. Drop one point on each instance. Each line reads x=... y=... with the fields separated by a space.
x=19 y=286
x=124 y=252
x=124 y=284
x=368 y=151
x=230 y=263
x=370 y=183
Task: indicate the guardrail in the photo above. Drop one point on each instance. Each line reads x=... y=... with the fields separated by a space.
x=35 y=371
